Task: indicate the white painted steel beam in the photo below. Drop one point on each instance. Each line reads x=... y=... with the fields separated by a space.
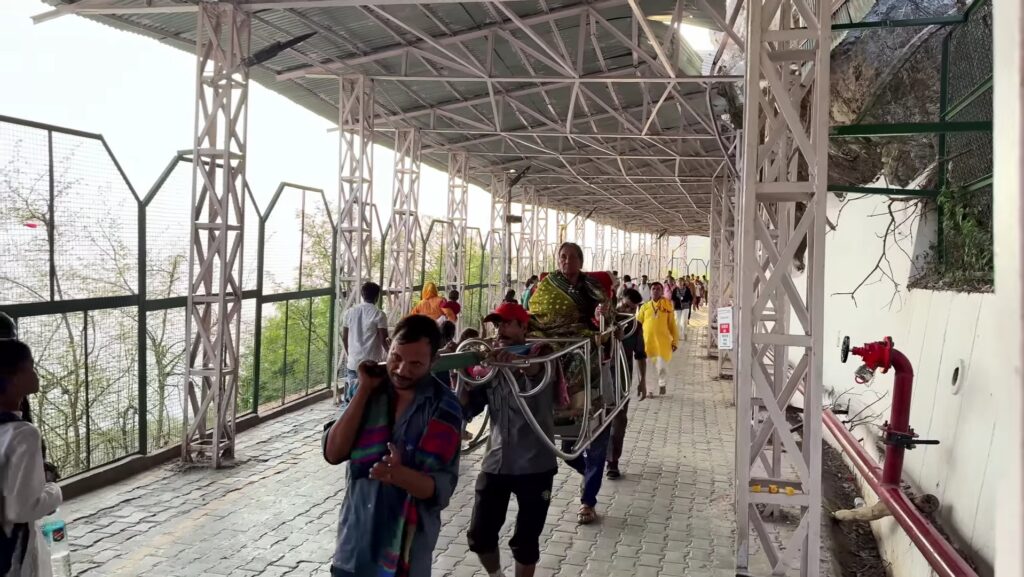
x=456 y=246
x=355 y=197
x=404 y=229
x=643 y=260
x=563 y=80
x=727 y=256
x=213 y=316
x=545 y=153
x=455 y=39
x=542 y=258
x=525 y=245
x=614 y=256
x=562 y=226
x=499 y=241
x=785 y=164
x=628 y=258
x=117 y=7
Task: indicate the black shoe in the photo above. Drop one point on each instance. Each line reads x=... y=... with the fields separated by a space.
x=613 y=473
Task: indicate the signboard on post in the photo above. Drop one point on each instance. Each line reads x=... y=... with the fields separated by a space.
x=725 y=328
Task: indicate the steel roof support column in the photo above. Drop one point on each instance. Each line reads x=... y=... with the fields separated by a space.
x=213 y=320
x=714 y=287
x=599 y=260
x=540 y=239
x=405 y=201
x=498 y=241
x=614 y=257
x=355 y=197
x=785 y=169
x=652 y=257
x=628 y=258
x=657 y=257
x=527 y=234
x=580 y=230
x=458 y=212
x=727 y=264
x=643 y=257
x=663 y=256
x=678 y=264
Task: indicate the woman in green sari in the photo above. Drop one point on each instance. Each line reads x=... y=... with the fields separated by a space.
x=567 y=303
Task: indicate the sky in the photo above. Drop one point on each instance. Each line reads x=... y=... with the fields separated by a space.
x=140 y=95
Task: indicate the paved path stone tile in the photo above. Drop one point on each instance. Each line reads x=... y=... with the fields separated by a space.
x=275 y=513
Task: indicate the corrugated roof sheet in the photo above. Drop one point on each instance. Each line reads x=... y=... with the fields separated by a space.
x=350 y=32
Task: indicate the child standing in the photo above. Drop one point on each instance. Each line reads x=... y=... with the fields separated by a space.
x=25 y=495
x=450 y=307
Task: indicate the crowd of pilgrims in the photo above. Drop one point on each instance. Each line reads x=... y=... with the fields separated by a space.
x=401 y=425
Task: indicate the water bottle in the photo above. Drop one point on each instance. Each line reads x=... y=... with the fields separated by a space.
x=56 y=535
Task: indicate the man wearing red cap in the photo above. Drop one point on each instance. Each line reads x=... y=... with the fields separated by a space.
x=517 y=460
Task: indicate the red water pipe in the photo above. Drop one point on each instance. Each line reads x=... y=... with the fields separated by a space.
x=899 y=436
x=943 y=558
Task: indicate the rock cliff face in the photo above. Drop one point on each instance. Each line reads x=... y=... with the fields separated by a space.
x=883 y=76
x=879 y=76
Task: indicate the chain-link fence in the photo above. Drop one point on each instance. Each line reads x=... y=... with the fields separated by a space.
x=968 y=95
x=294 y=303
x=429 y=266
x=965 y=238
x=97 y=278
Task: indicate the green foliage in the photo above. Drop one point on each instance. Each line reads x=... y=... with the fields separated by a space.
x=294 y=351
x=962 y=260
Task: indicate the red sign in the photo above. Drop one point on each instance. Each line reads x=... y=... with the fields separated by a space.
x=724 y=328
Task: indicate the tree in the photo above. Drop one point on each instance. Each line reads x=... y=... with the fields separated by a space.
x=88 y=406
x=294 y=334
x=87 y=373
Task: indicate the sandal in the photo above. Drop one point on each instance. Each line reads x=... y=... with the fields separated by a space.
x=586 y=515
x=613 y=473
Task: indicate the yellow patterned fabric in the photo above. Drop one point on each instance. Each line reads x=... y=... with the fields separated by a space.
x=561 y=310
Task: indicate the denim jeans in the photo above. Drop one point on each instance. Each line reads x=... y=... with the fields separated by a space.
x=350 y=385
x=618 y=429
x=591 y=465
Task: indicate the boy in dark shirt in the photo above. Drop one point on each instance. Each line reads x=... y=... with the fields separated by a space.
x=634 y=349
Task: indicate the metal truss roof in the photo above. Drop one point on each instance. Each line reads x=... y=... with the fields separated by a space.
x=599 y=98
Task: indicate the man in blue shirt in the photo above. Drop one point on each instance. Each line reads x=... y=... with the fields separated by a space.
x=401 y=437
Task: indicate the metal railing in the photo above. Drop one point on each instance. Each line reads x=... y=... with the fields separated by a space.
x=594 y=421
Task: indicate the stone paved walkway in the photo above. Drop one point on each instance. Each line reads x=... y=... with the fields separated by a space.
x=275 y=513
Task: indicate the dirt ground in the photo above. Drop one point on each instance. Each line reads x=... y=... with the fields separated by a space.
x=852 y=545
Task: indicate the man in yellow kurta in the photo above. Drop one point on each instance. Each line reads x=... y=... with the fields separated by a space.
x=660 y=332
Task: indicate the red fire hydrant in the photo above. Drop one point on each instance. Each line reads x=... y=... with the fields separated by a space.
x=899 y=436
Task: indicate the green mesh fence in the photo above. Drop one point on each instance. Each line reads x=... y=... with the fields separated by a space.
x=965 y=203
x=96 y=275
